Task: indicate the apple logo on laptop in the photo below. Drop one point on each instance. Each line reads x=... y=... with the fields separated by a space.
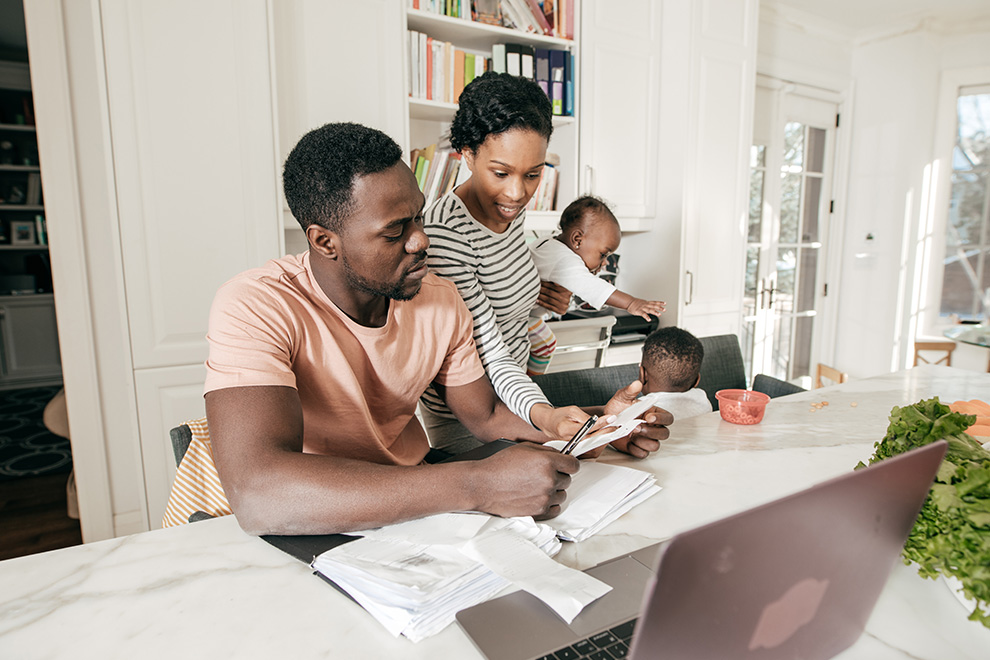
x=784 y=616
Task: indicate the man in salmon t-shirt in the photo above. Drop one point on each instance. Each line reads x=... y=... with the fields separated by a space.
x=317 y=362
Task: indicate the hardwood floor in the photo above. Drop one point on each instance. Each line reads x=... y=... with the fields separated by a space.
x=33 y=516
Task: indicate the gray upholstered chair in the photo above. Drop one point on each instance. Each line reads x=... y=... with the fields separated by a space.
x=774 y=387
x=586 y=387
x=722 y=367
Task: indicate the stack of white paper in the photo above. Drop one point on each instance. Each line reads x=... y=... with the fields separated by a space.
x=414 y=577
x=599 y=493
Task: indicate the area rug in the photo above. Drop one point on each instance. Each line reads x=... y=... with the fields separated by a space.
x=27 y=448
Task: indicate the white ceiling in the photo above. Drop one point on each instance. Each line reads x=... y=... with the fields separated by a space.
x=859 y=18
x=856 y=18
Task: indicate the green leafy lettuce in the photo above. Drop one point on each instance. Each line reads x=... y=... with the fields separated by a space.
x=952 y=534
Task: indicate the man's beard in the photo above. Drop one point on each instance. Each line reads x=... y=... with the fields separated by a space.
x=395 y=291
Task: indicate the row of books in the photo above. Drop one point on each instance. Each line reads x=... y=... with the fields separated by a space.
x=438 y=171
x=438 y=71
x=552 y=69
x=545 y=197
x=553 y=18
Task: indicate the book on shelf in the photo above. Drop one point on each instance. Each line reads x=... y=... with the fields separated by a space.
x=527 y=66
x=498 y=58
x=537 y=11
x=40 y=230
x=557 y=81
x=513 y=59
x=33 y=196
x=568 y=84
x=543 y=70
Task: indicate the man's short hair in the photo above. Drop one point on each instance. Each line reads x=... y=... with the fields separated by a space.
x=675 y=355
x=319 y=173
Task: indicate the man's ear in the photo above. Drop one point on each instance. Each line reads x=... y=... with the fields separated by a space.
x=697 y=381
x=642 y=375
x=323 y=240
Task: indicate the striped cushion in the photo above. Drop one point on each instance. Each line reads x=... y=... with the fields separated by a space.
x=197 y=484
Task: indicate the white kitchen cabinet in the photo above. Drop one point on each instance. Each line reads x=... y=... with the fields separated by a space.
x=620 y=94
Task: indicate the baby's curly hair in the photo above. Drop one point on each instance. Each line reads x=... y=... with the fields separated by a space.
x=319 y=172
x=576 y=211
x=674 y=356
x=497 y=102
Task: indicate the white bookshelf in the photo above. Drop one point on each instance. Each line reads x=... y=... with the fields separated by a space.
x=429 y=121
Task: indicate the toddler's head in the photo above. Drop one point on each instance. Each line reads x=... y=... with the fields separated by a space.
x=588 y=227
x=671 y=361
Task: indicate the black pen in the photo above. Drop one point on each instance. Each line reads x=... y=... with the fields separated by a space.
x=572 y=443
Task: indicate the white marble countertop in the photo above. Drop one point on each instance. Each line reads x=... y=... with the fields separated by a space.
x=209 y=590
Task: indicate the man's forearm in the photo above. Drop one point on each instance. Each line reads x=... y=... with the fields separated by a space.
x=309 y=494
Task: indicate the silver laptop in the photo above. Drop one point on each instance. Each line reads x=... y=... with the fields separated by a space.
x=795 y=578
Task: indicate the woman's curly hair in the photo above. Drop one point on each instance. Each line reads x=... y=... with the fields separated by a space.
x=497 y=102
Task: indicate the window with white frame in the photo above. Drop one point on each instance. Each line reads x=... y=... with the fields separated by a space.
x=966 y=274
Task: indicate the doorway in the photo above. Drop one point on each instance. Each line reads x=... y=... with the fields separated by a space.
x=790 y=203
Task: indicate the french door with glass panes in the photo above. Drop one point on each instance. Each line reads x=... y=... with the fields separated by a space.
x=789 y=206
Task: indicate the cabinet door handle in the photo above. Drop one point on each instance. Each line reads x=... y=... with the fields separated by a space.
x=690 y=288
x=589 y=180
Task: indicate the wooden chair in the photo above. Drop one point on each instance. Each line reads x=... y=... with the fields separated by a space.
x=935 y=345
x=831 y=374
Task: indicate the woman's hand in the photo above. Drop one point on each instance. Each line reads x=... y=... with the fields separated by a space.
x=561 y=423
x=646 y=437
x=554 y=297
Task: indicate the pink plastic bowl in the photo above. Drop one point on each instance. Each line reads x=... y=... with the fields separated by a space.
x=741 y=406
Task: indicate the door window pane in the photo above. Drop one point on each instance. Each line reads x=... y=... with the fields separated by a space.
x=812 y=205
x=786 y=267
x=790 y=207
x=752 y=268
x=815 y=160
x=965 y=279
x=755 y=204
x=807 y=279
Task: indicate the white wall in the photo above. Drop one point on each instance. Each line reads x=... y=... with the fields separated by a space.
x=891 y=84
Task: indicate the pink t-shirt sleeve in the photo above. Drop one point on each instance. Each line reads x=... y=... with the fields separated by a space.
x=462 y=365
x=250 y=345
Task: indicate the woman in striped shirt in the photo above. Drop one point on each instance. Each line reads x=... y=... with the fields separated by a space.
x=501 y=129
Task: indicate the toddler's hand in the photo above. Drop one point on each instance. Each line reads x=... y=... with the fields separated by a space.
x=644 y=308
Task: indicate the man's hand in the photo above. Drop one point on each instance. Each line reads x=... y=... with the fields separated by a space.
x=644 y=308
x=525 y=480
x=647 y=436
x=554 y=297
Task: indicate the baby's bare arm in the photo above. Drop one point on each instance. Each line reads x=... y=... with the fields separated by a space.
x=636 y=306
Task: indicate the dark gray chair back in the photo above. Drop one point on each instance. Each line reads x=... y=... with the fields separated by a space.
x=181 y=436
x=774 y=387
x=586 y=387
x=722 y=367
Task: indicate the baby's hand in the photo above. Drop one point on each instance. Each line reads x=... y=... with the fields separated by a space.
x=644 y=308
